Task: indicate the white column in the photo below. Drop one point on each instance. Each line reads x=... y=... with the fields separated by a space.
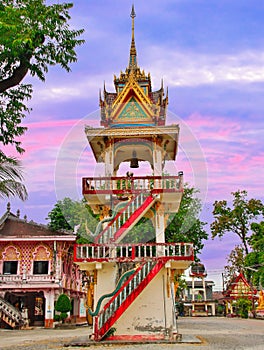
x=157 y=161
x=193 y=295
x=109 y=161
x=49 y=308
x=160 y=227
x=204 y=288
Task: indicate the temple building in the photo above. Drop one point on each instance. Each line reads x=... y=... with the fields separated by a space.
x=238 y=288
x=130 y=274
x=36 y=266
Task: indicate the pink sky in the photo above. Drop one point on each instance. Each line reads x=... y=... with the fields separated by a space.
x=216 y=88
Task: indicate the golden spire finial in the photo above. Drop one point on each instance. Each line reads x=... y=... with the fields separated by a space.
x=133 y=53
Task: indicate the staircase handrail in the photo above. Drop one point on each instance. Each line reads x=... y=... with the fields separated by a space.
x=118 y=286
x=11 y=311
x=137 y=199
x=116 y=211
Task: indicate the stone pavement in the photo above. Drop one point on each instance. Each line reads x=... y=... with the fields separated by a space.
x=40 y=338
x=204 y=333
x=77 y=337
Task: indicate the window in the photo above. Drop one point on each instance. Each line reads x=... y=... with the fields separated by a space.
x=40 y=267
x=10 y=268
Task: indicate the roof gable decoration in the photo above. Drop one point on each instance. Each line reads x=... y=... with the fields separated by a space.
x=132 y=110
x=132 y=89
x=240 y=287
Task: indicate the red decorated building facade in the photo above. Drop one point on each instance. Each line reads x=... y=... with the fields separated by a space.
x=36 y=265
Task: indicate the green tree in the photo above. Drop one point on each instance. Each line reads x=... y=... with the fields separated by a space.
x=10 y=178
x=238 y=219
x=254 y=261
x=63 y=305
x=33 y=36
x=142 y=232
x=71 y=215
x=185 y=226
x=256 y=240
x=235 y=264
x=243 y=306
x=181 y=284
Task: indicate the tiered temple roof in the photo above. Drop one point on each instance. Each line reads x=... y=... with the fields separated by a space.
x=134 y=102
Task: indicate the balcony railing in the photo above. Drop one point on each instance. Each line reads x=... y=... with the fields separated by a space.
x=26 y=279
x=132 y=252
x=119 y=185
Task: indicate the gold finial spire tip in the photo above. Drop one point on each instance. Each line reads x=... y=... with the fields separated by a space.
x=133 y=13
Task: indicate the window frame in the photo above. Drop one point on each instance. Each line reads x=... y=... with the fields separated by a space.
x=8 y=271
x=37 y=267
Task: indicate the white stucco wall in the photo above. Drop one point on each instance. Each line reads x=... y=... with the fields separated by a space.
x=152 y=311
x=106 y=278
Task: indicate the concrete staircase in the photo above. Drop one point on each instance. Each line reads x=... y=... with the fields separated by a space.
x=10 y=315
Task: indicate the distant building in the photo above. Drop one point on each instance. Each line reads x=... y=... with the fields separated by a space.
x=198 y=298
x=238 y=288
x=35 y=268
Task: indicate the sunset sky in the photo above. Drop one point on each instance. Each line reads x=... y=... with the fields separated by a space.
x=210 y=54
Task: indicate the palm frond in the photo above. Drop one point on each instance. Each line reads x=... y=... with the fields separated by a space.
x=11 y=177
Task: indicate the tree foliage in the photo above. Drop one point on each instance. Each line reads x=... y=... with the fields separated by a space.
x=185 y=225
x=10 y=178
x=235 y=263
x=243 y=306
x=238 y=219
x=256 y=240
x=33 y=36
x=254 y=261
x=71 y=215
x=12 y=111
x=142 y=232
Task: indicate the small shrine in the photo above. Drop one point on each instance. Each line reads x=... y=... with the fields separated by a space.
x=131 y=276
x=238 y=288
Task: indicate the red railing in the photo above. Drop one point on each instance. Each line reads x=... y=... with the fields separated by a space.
x=132 y=218
x=135 y=184
x=132 y=252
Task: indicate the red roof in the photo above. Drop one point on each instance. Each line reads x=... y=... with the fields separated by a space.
x=239 y=287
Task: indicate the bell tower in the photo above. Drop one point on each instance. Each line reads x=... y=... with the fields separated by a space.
x=133 y=131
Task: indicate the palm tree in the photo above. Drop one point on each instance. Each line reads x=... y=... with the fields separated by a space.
x=11 y=177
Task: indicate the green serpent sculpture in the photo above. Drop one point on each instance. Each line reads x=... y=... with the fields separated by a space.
x=119 y=284
x=116 y=209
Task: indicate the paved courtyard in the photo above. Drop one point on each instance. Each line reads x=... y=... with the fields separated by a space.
x=198 y=334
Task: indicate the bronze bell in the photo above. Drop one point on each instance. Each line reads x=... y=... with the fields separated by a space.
x=134 y=160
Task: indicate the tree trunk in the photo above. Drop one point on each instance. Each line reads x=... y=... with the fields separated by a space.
x=18 y=75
